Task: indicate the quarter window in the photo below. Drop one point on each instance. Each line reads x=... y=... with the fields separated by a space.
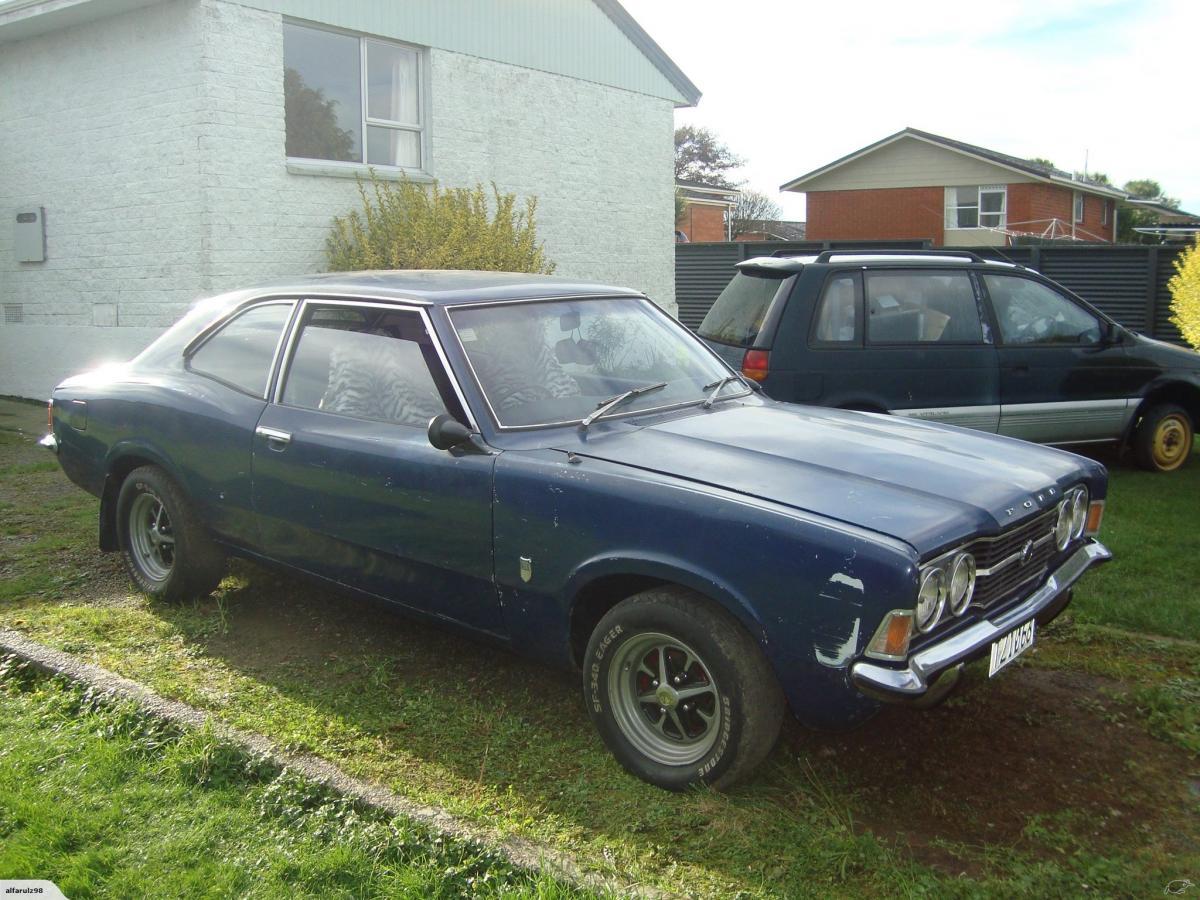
x=241 y=353
x=838 y=314
x=368 y=363
x=1031 y=313
x=922 y=307
x=977 y=206
x=352 y=99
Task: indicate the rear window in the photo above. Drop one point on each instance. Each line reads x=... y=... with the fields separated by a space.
x=739 y=313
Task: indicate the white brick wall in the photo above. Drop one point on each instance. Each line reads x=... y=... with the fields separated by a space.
x=158 y=153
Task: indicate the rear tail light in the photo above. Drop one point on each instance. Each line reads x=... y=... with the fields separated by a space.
x=756 y=365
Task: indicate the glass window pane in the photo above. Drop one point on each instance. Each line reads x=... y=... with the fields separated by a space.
x=837 y=318
x=740 y=310
x=1031 y=313
x=392 y=83
x=322 y=94
x=922 y=307
x=241 y=353
x=968 y=217
x=557 y=361
x=393 y=147
x=991 y=201
x=370 y=365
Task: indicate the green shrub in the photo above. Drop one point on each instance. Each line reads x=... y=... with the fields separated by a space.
x=1185 y=294
x=403 y=225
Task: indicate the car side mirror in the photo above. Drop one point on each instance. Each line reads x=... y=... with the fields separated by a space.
x=1110 y=333
x=446 y=432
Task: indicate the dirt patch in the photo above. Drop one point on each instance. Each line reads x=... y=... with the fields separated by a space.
x=998 y=755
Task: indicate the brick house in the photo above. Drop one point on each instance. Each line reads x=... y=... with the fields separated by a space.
x=706 y=211
x=917 y=185
x=155 y=151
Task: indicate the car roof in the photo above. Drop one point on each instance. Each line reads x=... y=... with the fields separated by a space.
x=434 y=287
x=932 y=258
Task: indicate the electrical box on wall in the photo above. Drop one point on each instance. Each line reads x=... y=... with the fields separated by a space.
x=29 y=238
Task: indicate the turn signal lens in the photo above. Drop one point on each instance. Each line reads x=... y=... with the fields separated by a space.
x=1094 y=517
x=50 y=415
x=756 y=365
x=892 y=637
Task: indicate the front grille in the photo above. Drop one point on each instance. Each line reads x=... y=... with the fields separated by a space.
x=991 y=552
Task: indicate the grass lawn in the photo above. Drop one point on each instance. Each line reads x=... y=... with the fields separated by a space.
x=104 y=801
x=1075 y=773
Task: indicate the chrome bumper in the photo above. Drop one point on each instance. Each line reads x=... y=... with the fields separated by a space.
x=49 y=441
x=926 y=664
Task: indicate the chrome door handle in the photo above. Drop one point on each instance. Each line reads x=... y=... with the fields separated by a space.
x=276 y=439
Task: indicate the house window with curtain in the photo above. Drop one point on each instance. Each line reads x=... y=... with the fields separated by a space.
x=353 y=99
x=977 y=206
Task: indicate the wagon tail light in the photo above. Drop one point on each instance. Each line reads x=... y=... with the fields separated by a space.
x=756 y=364
x=892 y=636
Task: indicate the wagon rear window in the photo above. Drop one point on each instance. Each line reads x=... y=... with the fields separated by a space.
x=739 y=313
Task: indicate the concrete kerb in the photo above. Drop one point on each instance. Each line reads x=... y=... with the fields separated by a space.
x=521 y=852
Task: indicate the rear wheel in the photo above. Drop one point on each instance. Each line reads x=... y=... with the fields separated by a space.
x=167 y=552
x=679 y=692
x=1164 y=438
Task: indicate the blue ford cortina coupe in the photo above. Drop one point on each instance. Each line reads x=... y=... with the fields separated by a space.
x=565 y=469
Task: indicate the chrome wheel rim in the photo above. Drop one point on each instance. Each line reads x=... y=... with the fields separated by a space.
x=664 y=699
x=1172 y=443
x=151 y=540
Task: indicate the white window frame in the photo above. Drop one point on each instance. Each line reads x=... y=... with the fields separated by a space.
x=421 y=127
x=1077 y=207
x=954 y=204
x=1104 y=211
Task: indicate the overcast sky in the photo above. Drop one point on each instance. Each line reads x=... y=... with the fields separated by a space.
x=791 y=86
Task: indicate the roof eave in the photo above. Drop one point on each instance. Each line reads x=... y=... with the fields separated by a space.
x=649 y=47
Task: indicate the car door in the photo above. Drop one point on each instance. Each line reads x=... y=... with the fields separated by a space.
x=1060 y=380
x=927 y=352
x=346 y=484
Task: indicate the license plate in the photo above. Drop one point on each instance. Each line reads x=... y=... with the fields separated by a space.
x=1012 y=645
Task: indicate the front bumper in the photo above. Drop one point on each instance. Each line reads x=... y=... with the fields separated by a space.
x=926 y=665
x=49 y=441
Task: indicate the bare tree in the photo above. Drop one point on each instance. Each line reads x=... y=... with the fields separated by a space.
x=752 y=207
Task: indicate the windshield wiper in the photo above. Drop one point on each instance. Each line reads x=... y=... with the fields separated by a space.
x=716 y=388
x=613 y=402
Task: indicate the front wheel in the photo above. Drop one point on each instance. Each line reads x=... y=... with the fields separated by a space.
x=1164 y=438
x=679 y=692
x=167 y=552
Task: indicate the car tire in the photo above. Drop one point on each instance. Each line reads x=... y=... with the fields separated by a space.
x=729 y=708
x=167 y=551
x=1164 y=437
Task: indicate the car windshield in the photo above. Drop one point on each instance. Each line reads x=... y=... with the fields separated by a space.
x=557 y=361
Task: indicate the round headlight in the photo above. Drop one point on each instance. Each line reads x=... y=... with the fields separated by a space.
x=962 y=583
x=1079 y=513
x=931 y=599
x=1062 y=527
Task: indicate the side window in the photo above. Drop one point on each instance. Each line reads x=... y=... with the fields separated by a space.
x=916 y=307
x=369 y=363
x=1031 y=313
x=838 y=313
x=241 y=353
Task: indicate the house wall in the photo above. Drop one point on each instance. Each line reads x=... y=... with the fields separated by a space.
x=99 y=127
x=159 y=156
x=702 y=222
x=914 y=213
x=911 y=162
x=1031 y=207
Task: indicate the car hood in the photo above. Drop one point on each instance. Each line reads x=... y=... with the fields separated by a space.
x=926 y=484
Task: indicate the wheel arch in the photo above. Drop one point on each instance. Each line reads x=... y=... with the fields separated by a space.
x=121 y=461
x=1181 y=393
x=600 y=584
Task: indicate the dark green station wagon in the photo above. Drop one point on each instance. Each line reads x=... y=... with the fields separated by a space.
x=950 y=337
